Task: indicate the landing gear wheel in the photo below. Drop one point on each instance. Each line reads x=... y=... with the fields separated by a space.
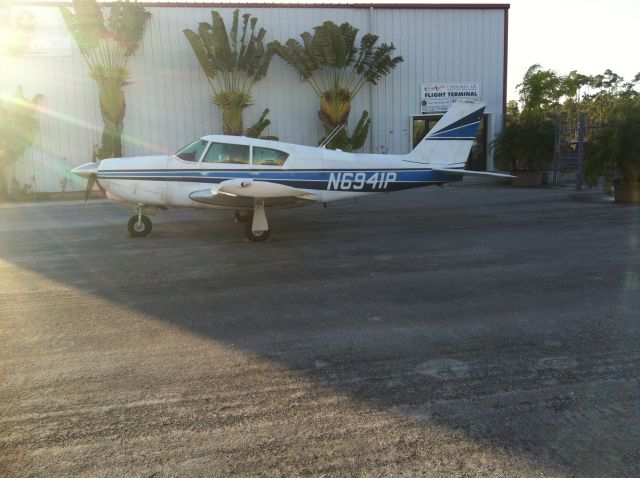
x=244 y=216
x=139 y=228
x=255 y=236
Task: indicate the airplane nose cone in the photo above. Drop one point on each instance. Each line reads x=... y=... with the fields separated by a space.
x=86 y=169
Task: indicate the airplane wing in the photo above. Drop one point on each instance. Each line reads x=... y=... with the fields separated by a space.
x=466 y=172
x=242 y=193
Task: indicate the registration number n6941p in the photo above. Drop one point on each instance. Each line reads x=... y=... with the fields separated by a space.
x=357 y=181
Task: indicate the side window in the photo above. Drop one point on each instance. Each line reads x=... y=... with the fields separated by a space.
x=193 y=151
x=268 y=157
x=227 y=153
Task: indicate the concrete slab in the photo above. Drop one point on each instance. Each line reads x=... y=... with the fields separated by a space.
x=464 y=331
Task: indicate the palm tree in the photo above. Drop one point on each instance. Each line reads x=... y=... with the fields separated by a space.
x=337 y=70
x=232 y=66
x=18 y=127
x=106 y=46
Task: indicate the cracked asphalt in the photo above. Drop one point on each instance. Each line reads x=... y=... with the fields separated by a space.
x=464 y=331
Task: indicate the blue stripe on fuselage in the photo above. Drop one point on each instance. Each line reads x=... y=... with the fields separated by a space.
x=354 y=180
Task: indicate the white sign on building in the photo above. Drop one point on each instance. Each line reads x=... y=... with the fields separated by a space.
x=39 y=31
x=437 y=97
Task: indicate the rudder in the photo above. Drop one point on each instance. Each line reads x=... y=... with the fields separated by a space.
x=449 y=142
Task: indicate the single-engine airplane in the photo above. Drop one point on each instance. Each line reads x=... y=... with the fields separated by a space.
x=252 y=175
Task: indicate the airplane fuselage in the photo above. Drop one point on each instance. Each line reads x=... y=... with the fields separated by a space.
x=324 y=175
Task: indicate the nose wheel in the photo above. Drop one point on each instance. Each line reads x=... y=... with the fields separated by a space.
x=139 y=225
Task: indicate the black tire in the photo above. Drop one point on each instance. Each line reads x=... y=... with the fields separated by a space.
x=244 y=216
x=139 y=229
x=255 y=237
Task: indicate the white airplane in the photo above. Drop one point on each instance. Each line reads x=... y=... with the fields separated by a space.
x=252 y=175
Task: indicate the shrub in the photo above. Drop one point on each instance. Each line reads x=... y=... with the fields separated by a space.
x=525 y=144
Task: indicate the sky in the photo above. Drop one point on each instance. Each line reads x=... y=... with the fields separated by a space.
x=565 y=35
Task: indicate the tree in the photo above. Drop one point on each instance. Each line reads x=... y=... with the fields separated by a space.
x=543 y=92
x=526 y=142
x=18 y=127
x=232 y=67
x=604 y=91
x=106 y=45
x=614 y=150
x=540 y=90
x=337 y=69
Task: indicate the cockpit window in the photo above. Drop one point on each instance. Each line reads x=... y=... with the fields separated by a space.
x=193 y=151
x=268 y=156
x=227 y=153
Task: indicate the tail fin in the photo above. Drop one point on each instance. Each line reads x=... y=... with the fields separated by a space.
x=449 y=142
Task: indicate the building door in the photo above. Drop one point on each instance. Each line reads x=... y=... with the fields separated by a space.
x=477 y=160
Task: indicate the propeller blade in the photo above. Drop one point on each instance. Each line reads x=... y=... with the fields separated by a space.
x=101 y=188
x=91 y=180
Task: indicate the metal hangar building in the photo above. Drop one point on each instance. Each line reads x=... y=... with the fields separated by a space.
x=449 y=51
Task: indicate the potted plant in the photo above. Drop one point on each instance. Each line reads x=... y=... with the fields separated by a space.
x=614 y=152
x=525 y=148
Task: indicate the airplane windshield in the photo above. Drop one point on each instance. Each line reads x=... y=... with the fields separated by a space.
x=193 y=151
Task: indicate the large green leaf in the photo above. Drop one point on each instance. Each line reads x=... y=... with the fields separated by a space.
x=202 y=54
x=85 y=23
x=360 y=132
x=219 y=43
x=128 y=21
x=256 y=130
x=381 y=63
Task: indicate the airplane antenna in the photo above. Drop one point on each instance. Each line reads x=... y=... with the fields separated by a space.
x=332 y=135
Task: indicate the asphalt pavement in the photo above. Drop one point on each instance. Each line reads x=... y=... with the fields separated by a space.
x=459 y=331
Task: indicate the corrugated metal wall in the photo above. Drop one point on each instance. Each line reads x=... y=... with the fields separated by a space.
x=168 y=102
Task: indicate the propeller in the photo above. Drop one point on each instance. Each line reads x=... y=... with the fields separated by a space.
x=90 y=172
x=92 y=178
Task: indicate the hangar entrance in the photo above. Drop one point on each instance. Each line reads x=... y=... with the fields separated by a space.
x=477 y=161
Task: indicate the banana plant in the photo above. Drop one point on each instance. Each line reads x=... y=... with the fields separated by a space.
x=106 y=45
x=233 y=62
x=337 y=69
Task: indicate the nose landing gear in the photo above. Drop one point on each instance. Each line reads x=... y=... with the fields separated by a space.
x=139 y=225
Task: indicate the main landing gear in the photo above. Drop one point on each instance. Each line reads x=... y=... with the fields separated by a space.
x=256 y=227
x=140 y=225
x=255 y=236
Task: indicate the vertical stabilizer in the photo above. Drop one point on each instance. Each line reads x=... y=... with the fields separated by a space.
x=449 y=142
